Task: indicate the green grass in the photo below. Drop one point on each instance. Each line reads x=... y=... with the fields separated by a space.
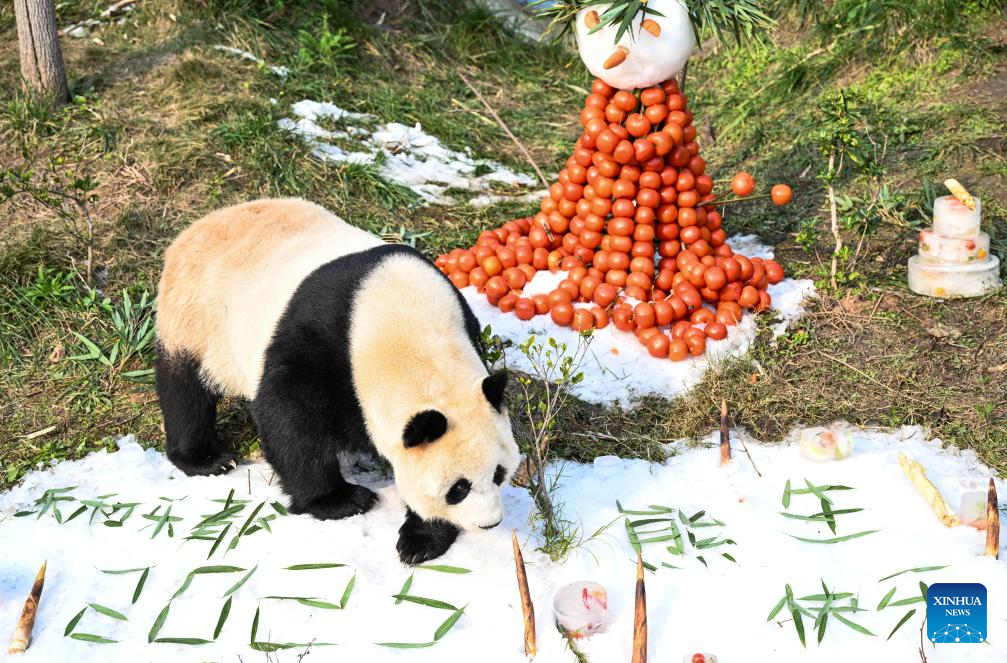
x=169 y=129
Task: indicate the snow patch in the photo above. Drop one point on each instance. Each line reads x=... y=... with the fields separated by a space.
x=691 y=608
x=402 y=154
x=617 y=368
x=277 y=70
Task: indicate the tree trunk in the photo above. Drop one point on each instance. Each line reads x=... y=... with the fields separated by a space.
x=42 y=68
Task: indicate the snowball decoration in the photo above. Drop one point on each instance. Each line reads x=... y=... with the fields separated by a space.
x=652 y=50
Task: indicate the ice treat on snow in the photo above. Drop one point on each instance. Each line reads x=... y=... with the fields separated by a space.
x=581 y=608
x=652 y=50
x=822 y=444
x=699 y=658
x=972 y=510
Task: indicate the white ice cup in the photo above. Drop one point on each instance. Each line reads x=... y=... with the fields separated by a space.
x=607 y=465
x=972 y=509
x=823 y=444
x=581 y=608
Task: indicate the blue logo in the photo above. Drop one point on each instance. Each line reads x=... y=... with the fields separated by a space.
x=956 y=612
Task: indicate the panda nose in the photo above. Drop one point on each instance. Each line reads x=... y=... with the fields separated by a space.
x=491 y=526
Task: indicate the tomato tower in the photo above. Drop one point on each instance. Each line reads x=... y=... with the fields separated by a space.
x=632 y=219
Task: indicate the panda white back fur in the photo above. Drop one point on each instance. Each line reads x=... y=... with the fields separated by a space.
x=340 y=342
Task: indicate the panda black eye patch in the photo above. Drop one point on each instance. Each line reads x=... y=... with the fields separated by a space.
x=499 y=475
x=459 y=491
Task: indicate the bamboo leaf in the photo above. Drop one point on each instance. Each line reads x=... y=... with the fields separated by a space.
x=444 y=569
x=90 y=637
x=838 y=539
x=119 y=572
x=76 y=513
x=279 y=508
x=852 y=625
x=241 y=582
x=220 y=538
x=405 y=589
x=225 y=610
x=776 y=609
x=346 y=592
x=184 y=641
x=909 y=601
x=315 y=603
x=799 y=625
x=140 y=583
x=309 y=567
x=786 y=495
x=109 y=612
x=73 y=622
x=432 y=603
x=919 y=569
x=824 y=620
x=830 y=518
x=407 y=645
x=255 y=625
x=905 y=618
x=886 y=599
x=448 y=623
x=158 y=623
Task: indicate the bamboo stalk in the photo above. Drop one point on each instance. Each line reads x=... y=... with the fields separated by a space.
x=526 y=605
x=22 y=633
x=725 y=435
x=640 y=616
x=992 y=523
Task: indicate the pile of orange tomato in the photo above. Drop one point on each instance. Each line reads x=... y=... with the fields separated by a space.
x=632 y=220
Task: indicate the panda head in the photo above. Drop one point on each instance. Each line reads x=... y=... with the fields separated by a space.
x=455 y=459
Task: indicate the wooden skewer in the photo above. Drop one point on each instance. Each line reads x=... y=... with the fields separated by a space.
x=992 y=523
x=640 y=616
x=22 y=634
x=725 y=435
x=526 y=605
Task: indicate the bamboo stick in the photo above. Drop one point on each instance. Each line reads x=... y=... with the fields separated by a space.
x=725 y=435
x=992 y=523
x=918 y=475
x=640 y=616
x=526 y=605
x=22 y=633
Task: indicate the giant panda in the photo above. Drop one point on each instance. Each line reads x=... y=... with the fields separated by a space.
x=341 y=342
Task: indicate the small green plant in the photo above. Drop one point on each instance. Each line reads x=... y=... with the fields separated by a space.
x=324 y=48
x=51 y=287
x=544 y=392
x=62 y=189
x=843 y=138
x=132 y=324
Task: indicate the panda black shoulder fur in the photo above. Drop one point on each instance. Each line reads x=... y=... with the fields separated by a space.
x=340 y=342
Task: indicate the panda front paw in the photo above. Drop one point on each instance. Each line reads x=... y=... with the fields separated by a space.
x=422 y=540
x=351 y=501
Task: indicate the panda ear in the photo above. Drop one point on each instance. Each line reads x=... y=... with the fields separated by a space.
x=493 y=389
x=425 y=427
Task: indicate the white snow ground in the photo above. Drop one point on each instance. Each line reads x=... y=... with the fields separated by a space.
x=404 y=155
x=721 y=608
x=616 y=367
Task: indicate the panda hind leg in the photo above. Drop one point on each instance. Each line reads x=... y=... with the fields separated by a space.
x=189 y=409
